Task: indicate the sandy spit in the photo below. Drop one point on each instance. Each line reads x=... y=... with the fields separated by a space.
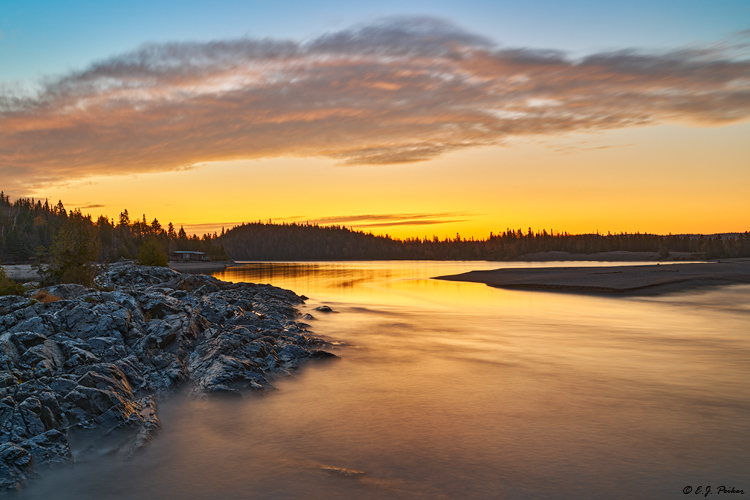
x=622 y=280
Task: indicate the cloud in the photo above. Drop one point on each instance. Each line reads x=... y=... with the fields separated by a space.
x=353 y=221
x=383 y=220
x=378 y=217
x=204 y=228
x=417 y=222
x=401 y=90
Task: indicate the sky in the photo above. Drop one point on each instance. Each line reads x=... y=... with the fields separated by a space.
x=435 y=118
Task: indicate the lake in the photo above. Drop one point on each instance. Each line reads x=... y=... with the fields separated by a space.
x=458 y=390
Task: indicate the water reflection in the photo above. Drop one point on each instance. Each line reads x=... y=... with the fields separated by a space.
x=385 y=282
x=458 y=390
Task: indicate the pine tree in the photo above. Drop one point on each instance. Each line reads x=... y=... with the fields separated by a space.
x=73 y=249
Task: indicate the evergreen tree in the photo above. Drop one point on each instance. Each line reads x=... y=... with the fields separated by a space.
x=73 y=249
x=60 y=209
x=124 y=219
x=155 y=226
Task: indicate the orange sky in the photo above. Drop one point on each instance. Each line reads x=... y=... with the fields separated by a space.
x=658 y=179
x=410 y=126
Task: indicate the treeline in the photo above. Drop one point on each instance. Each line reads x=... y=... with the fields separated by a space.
x=260 y=241
x=29 y=227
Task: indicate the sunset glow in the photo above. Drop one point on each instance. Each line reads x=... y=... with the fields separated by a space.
x=374 y=250
x=410 y=126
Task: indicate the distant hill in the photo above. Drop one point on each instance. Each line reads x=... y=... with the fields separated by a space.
x=723 y=236
x=260 y=241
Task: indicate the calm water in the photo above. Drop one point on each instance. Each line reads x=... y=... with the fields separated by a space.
x=458 y=390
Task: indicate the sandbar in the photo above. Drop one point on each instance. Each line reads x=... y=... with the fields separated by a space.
x=618 y=280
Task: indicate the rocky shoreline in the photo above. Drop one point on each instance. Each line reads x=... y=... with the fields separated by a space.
x=90 y=364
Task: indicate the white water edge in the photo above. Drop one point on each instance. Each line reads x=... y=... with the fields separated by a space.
x=459 y=390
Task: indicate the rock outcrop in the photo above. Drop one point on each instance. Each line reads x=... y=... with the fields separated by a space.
x=92 y=363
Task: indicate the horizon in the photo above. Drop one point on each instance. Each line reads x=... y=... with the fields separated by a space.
x=436 y=120
x=210 y=229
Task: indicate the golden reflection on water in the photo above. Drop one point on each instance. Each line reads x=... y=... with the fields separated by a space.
x=458 y=390
x=589 y=376
x=384 y=282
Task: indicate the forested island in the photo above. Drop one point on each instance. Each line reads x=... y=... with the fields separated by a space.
x=31 y=230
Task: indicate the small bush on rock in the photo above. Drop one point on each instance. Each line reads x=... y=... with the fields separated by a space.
x=151 y=253
x=8 y=286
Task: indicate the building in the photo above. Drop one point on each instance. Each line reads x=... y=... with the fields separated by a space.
x=189 y=256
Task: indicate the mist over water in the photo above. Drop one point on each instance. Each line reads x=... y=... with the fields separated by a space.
x=459 y=390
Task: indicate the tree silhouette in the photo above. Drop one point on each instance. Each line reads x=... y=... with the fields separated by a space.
x=31 y=229
x=73 y=249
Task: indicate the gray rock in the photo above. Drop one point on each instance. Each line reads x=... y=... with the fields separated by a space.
x=15 y=466
x=94 y=363
x=11 y=303
x=67 y=291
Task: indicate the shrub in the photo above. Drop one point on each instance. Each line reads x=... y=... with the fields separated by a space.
x=73 y=248
x=45 y=297
x=151 y=253
x=8 y=286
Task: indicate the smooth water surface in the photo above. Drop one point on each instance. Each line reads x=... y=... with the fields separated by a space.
x=459 y=390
